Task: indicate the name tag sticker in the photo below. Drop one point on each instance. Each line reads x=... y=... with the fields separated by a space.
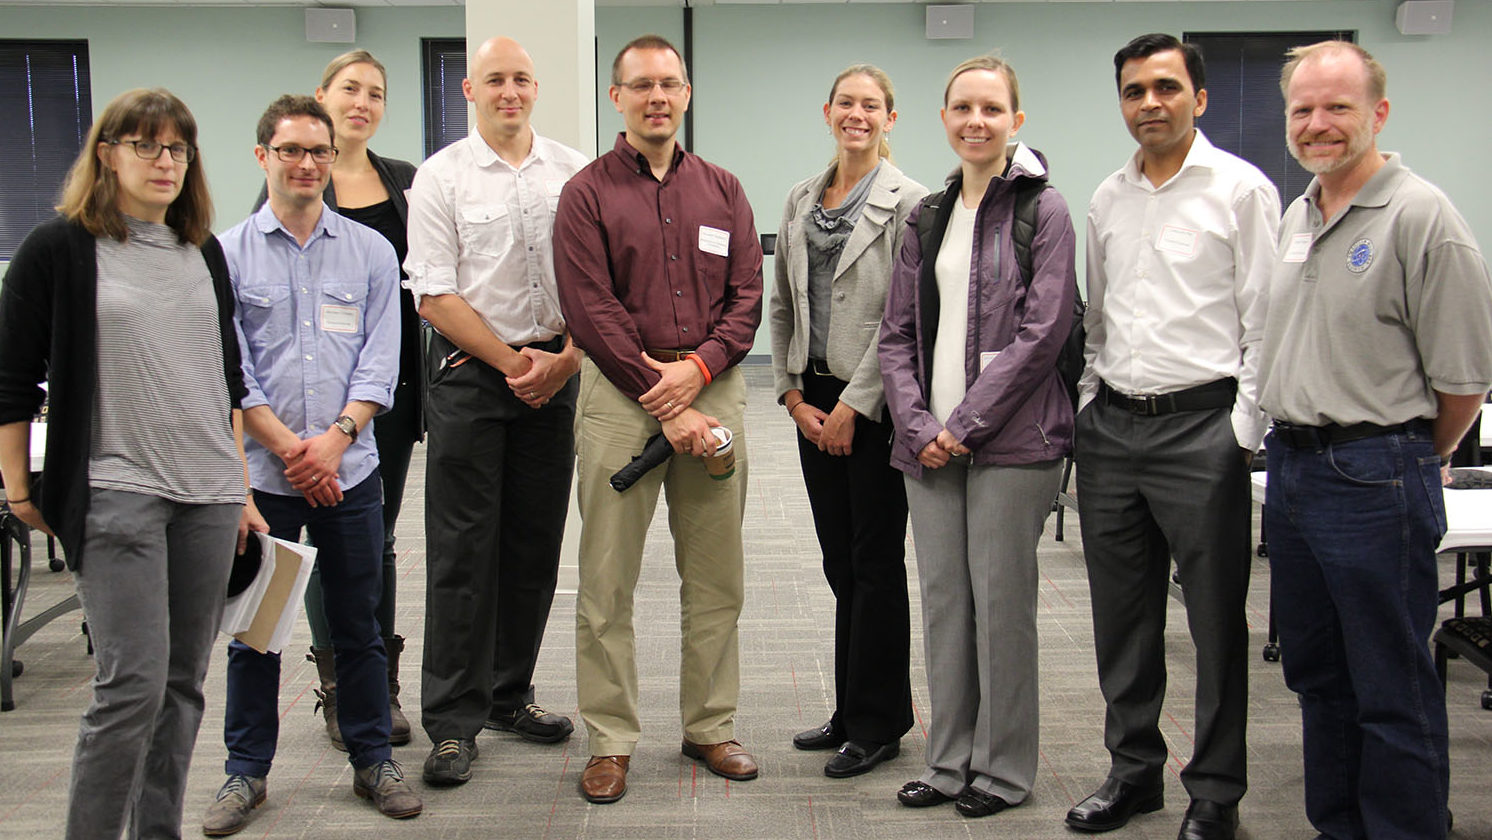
x=1298 y=249
x=340 y=319
x=714 y=241
x=1177 y=240
x=986 y=357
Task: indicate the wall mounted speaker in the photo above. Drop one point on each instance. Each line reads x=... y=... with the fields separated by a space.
x=331 y=26
x=1425 y=17
x=950 y=21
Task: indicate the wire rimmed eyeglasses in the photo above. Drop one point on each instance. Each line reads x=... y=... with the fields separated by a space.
x=642 y=87
x=151 y=150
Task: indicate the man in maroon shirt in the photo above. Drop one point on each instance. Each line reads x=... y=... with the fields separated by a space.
x=659 y=273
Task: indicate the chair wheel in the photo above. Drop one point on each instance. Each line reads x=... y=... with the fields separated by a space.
x=1271 y=652
x=1487 y=699
x=16 y=667
x=1262 y=550
x=56 y=565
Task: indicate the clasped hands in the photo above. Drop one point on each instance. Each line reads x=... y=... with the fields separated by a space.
x=542 y=376
x=941 y=448
x=669 y=400
x=311 y=466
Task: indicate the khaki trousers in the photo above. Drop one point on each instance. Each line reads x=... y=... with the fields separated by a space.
x=704 y=517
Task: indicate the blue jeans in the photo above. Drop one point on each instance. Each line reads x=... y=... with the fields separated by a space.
x=349 y=550
x=1352 y=534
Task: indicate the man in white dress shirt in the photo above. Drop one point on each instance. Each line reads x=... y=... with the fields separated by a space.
x=1180 y=246
x=500 y=412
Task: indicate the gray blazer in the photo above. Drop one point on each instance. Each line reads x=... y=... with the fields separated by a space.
x=860 y=282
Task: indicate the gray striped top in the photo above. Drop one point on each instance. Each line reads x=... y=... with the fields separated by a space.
x=160 y=424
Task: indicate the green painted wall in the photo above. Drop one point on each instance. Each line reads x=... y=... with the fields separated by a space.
x=761 y=75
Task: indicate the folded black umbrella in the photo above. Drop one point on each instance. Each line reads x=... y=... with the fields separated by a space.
x=657 y=450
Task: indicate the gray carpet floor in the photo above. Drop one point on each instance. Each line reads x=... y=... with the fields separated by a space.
x=524 y=790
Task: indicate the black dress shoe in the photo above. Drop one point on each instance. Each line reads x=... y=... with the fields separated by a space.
x=824 y=737
x=976 y=803
x=857 y=757
x=1114 y=802
x=1209 y=821
x=920 y=794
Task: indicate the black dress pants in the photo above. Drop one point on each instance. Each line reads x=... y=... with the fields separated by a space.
x=497 y=488
x=859 y=506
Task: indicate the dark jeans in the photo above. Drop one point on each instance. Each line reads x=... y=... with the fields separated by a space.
x=1352 y=534
x=348 y=539
x=1154 y=489
x=395 y=431
x=859 y=506
x=497 y=489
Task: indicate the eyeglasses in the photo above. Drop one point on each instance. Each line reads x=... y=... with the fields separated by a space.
x=151 y=150
x=294 y=154
x=643 y=87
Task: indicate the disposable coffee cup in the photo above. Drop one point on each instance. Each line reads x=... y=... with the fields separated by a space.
x=722 y=464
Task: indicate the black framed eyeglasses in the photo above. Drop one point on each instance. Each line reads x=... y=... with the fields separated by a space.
x=294 y=154
x=151 y=150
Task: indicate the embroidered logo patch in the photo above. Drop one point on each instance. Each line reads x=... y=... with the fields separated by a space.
x=1360 y=256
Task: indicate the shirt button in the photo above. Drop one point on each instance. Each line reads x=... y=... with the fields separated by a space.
x=673 y=256
x=305 y=323
x=347 y=296
x=684 y=329
x=679 y=293
x=303 y=290
x=667 y=221
x=310 y=392
x=309 y=357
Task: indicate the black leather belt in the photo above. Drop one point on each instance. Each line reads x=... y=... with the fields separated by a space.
x=1217 y=394
x=1310 y=437
x=819 y=367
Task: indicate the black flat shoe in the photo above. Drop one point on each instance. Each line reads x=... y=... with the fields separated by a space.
x=921 y=795
x=824 y=737
x=855 y=758
x=976 y=803
x=1209 y=821
x=1112 y=805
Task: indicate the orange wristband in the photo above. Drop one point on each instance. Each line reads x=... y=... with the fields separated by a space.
x=703 y=368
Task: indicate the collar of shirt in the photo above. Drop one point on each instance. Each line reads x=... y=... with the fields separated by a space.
x=485 y=156
x=638 y=162
x=266 y=222
x=1202 y=155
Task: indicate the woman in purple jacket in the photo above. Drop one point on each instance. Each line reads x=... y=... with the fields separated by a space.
x=968 y=352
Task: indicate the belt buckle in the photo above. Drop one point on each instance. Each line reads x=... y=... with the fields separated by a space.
x=1144 y=405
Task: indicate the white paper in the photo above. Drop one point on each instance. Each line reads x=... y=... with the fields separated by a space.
x=342 y=319
x=1298 y=249
x=240 y=610
x=714 y=241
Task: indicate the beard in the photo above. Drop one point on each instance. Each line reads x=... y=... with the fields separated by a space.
x=1359 y=142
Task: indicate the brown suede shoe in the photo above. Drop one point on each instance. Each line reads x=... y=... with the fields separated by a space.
x=728 y=759
x=605 y=778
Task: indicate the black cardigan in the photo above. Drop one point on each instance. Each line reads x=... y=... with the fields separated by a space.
x=49 y=331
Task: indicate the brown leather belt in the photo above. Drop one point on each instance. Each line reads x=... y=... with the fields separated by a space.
x=668 y=355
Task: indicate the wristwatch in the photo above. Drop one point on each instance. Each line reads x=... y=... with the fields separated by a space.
x=347 y=426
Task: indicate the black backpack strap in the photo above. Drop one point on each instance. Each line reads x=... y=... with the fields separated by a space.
x=1023 y=231
x=932 y=221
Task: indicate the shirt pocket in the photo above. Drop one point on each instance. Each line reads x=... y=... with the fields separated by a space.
x=343 y=307
x=486 y=229
x=257 y=308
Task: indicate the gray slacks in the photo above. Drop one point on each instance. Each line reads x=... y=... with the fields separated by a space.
x=152 y=583
x=1151 y=489
x=976 y=530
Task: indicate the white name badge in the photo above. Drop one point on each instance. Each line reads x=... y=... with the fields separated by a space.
x=714 y=241
x=1177 y=240
x=1298 y=249
x=986 y=357
x=341 y=319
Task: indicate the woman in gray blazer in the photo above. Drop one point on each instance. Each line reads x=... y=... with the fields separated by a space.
x=841 y=231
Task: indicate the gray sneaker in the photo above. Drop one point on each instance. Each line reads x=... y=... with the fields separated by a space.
x=449 y=762
x=384 y=784
x=238 y=796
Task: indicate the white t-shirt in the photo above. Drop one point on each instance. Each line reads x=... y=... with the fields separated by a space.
x=950 y=347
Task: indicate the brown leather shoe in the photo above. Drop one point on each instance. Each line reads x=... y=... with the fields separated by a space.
x=605 y=778
x=728 y=759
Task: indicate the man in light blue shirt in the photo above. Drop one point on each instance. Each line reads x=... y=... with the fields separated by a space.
x=318 y=327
